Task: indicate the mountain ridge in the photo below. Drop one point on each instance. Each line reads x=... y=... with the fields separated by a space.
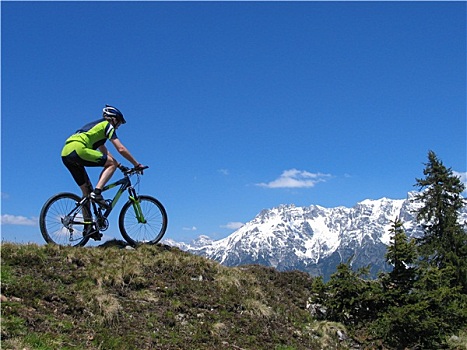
x=313 y=238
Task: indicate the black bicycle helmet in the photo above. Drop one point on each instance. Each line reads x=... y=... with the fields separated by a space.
x=110 y=111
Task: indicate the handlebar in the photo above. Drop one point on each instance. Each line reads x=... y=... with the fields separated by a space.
x=135 y=170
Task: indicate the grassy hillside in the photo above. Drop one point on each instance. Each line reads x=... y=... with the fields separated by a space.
x=152 y=298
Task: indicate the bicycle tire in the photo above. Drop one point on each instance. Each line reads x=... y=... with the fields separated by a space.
x=50 y=221
x=152 y=231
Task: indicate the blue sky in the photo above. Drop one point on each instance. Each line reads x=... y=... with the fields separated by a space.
x=235 y=106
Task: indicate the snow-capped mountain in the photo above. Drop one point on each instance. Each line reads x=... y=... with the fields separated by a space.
x=313 y=239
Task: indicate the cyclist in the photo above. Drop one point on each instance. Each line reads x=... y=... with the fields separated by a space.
x=87 y=148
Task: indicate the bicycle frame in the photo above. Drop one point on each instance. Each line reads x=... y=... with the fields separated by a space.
x=125 y=184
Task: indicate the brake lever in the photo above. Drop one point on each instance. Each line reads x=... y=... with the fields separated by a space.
x=140 y=170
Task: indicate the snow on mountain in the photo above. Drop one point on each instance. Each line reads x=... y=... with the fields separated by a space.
x=313 y=239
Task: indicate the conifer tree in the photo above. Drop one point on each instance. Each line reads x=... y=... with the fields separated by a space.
x=393 y=324
x=444 y=244
x=421 y=305
x=401 y=254
x=351 y=299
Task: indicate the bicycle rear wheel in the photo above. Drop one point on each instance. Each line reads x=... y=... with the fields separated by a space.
x=151 y=231
x=61 y=224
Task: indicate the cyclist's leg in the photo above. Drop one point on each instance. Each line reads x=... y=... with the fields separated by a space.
x=109 y=169
x=78 y=172
x=95 y=158
x=87 y=187
x=81 y=178
x=76 y=156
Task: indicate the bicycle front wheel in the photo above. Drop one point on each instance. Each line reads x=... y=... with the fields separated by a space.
x=62 y=221
x=143 y=222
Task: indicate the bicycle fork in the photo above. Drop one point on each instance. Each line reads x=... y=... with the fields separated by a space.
x=136 y=206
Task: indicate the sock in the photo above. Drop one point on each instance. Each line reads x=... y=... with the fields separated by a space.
x=97 y=191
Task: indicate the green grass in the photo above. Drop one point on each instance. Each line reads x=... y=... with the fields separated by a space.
x=152 y=298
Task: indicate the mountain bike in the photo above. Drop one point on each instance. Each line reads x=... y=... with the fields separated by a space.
x=68 y=219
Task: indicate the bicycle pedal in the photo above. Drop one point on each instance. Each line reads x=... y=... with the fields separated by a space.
x=96 y=236
x=105 y=204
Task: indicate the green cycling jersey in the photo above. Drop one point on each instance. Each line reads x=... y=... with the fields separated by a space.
x=81 y=148
x=94 y=135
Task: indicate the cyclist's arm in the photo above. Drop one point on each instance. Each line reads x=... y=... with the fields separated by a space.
x=124 y=152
